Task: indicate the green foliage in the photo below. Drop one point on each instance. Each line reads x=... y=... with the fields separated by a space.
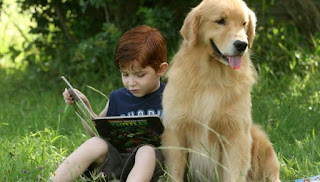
x=71 y=37
x=95 y=55
x=282 y=51
x=78 y=39
x=74 y=37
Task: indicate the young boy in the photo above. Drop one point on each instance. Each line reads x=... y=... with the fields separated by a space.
x=141 y=58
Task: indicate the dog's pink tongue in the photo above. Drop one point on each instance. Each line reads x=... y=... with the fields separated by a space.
x=235 y=62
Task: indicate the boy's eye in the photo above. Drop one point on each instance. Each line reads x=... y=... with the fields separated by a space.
x=141 y=75
x=124 y=74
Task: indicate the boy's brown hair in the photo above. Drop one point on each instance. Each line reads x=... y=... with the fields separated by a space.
x=143 y=44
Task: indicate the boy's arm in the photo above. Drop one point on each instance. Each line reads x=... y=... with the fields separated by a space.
x=102 y=114
x=86 y=101
x=104 y=111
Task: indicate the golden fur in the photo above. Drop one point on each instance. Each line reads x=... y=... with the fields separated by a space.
x=207 y=103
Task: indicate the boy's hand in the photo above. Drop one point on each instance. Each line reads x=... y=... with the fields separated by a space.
x=69 y=96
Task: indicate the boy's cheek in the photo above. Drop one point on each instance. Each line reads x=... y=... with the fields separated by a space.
x=124 y=83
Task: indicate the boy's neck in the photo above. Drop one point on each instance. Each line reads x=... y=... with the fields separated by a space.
x=156 y=88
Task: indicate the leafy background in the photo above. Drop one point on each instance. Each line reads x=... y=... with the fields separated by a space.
x=40 y=40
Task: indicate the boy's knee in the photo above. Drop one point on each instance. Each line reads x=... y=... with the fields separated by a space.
x=97 y=145
x=146 y=150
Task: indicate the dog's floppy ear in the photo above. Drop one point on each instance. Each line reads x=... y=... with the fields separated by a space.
x=190 y=27
x=251 y=28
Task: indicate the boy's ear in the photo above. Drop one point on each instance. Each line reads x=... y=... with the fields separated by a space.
x=162 y=69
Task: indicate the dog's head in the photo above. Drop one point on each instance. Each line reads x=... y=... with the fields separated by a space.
x=225 y=27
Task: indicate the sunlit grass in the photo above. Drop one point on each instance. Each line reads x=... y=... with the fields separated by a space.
x=289 y=110
x=38 y=130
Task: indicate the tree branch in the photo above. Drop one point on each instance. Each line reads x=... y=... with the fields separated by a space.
x=63 y=24
x=106 y=14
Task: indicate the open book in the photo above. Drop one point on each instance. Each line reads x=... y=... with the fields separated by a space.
x=123 y=132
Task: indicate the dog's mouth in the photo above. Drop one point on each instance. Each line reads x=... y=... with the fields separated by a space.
x=233 y=61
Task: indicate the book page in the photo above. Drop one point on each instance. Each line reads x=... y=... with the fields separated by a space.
x=82 y=110
x=90 y=125
x=82 y=105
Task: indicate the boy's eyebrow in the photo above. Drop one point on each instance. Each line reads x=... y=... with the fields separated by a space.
x=134 y=70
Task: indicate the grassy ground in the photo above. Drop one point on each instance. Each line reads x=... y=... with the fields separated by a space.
x=37 y=130
x=288 y=109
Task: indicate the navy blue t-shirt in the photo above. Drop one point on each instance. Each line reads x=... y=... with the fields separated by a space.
x=123 y=103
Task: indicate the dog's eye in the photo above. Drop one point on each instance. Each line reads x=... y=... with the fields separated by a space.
x=222 y=21
x=244 y=24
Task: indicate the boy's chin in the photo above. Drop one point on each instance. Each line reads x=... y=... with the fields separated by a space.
x=138 y=94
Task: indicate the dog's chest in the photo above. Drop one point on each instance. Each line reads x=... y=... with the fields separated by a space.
x=205 y=104
x=204 y=156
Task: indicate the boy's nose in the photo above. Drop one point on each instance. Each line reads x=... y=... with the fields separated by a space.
x=132 y=81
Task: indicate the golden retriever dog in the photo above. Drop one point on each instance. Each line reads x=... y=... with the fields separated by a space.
x=207 y=102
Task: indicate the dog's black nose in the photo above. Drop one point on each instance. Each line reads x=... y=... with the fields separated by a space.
x=240 y=45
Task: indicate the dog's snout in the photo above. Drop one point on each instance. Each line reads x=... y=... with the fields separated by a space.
x=240 y=45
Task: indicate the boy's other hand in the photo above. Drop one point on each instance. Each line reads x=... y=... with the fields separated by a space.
x=69 y=96
x=68 y=99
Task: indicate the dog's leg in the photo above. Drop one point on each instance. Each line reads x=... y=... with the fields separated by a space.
x=236 y=158
x=265 y=164
x=175 y=157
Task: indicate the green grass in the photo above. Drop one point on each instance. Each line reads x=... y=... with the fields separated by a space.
x=289 y=110
x=37 y=129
